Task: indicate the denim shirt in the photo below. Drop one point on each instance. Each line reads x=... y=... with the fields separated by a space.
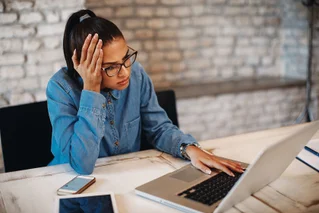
x=88 y=125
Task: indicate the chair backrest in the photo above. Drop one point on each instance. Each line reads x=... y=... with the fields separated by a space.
x=25 y=133
x=167 y=101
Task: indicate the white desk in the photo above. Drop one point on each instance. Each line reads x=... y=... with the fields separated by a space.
x=34 y=191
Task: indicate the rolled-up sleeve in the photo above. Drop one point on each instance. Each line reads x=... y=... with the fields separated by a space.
x=158 y=128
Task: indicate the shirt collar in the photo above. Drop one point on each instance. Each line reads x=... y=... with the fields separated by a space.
x=115 y=94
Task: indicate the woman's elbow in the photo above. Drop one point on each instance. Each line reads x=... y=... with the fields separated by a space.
x=83 y=169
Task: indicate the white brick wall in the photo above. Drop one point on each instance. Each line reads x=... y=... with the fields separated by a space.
x=31 y=46
x=11 y=72
x=229 y=114
x=30 y=18
x=11 y=59
x=6 y=18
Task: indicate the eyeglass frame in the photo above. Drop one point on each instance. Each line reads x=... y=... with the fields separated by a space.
x=122 y=64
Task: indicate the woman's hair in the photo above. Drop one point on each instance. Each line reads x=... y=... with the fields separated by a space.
x=77 y=28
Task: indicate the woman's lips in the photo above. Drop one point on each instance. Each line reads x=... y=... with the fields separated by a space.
x=124 y=81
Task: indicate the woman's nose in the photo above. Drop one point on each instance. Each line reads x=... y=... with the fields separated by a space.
x=124 y=71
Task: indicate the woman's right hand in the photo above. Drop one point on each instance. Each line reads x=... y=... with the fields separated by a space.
x=89 y=67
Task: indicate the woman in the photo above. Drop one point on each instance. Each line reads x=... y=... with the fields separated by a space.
x=100 y=103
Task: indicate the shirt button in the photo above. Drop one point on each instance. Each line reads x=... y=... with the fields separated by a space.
x=116 y=143
x=109 y=101
x=112 y=122
x=103 y=105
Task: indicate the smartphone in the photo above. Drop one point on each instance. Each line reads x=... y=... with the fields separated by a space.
x=76 y=185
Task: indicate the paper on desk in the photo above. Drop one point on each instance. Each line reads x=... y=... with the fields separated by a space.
x=309 y=158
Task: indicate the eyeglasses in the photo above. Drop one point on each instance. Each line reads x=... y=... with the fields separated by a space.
x=114 y=69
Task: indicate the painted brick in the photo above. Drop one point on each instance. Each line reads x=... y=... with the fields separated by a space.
x=171 y=2
x=48 y=4
x=124 y=12
x=188 y=33
x=144 y=34
x=52 y=16
x=181 y=11
x=3 y=103
x=155 y=23
x=145 y=11
x=198 y=10
x=19 y=5
x=40 y=95
x=30 y=45
x=12 y=59
x=16 y=31
x=173 y=23
x=11 y=72
x=224 y=41
x=238 y=2
x=30 y=18
x=224 y=51
x=166 y=44
x=50 y=29
x=38 y=70
x=104 y=11
x=44 y=79
x=159 y=67
x=149 y=45
x=173 y=56
x=167 y=33
x=128 y=34
x=245 y=71
x=150 y=2
x=204 y=21
x=212 y=31
x=7 y=18
x=52 y=42
x=66 y=13
x=143 y=57
x=163 y=11
x=21 y=98
x=157 y=56
x=29 y=83
x=187 y=43
x=134 y=23
x=10 y=45
x=45 y=56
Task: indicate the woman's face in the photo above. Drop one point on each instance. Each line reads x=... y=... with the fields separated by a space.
x=114 y=53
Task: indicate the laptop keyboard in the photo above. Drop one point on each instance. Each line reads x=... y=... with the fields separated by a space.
x=211 y=190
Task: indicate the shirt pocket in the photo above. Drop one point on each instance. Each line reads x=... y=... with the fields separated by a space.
x=132 y=130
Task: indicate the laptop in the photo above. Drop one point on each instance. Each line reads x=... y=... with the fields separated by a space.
x=189 y=190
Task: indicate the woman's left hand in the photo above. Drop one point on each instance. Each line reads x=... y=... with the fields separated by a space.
x=204 y=160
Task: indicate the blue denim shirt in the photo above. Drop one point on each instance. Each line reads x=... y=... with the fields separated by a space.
x=87 y=125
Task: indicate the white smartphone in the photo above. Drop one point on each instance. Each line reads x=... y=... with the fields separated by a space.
x=76 y=185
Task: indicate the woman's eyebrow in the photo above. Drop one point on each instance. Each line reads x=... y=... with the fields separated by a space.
x=104 y=63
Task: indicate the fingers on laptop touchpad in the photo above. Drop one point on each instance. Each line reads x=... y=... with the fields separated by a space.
x=188 y=175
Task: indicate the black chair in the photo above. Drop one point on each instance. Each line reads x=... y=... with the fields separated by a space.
x=25 y=132
x=167 y=101
x=25 y=136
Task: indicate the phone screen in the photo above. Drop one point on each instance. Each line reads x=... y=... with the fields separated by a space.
x=93 y=204
x=76 y=184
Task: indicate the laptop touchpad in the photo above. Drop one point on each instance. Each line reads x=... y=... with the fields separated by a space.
x=188 y=175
